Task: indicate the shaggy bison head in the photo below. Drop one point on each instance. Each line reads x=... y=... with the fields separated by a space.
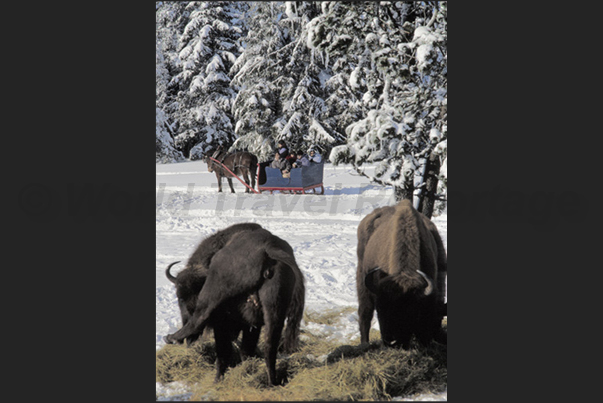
x=191 y=280
x=404 y=305
x=188 y=285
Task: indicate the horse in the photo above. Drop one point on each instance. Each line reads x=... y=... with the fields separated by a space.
x=240 y=163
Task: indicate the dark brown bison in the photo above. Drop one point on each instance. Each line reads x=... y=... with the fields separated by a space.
x=240 y=163
x=191 y=279
x=401 y=273
x=252 y=281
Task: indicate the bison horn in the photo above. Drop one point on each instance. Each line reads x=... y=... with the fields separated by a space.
x=169 y=275
x=429 y=287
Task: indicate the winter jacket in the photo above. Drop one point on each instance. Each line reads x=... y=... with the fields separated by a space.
x=281 y=164
x=317 y=158
x=283 y=152
x=303 y=161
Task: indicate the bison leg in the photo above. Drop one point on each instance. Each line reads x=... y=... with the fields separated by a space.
x=223 y=338
x=441 y=336
x=250 y=342
x=366 y=309
x=214 y=292
x=191 y=331
x=431 y=326
x=275 y=296
x=365 y=316
x=230 y=184
x=193 y=338
x=274 y=328
x=195 y=326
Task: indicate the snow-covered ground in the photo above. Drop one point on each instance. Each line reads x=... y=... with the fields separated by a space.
x=321 y=229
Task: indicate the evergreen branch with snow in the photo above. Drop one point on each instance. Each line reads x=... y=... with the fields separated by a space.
x=365 y=81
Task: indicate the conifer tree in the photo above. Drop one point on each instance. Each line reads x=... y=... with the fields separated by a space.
x=257 y=105
x=366 y=80
x=207 y=50
x=165 y=151
x=168 y=18
x=281 y=83
x=401 y=72
x=302 y=86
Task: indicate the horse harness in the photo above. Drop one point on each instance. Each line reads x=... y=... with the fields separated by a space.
x=234 y=165
x=221 y=160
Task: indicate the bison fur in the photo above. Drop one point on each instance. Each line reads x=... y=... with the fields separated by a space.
x=251 y=281
x=401 y=274
x=190 y=280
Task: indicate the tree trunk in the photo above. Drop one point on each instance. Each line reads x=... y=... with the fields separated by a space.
x=431 y=185
x=405 y=192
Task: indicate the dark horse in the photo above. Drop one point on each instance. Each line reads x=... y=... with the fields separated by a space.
x=240 y=163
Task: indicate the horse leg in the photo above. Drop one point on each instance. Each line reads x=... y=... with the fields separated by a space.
x=246 y=176
x=219 y=178
x=252 y=173
x=230 y=184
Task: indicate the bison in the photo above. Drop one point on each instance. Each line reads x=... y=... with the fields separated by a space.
x=252 y=280
x=401 y=273
x=190 y=280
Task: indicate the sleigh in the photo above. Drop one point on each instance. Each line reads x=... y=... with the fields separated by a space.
x=300 y=180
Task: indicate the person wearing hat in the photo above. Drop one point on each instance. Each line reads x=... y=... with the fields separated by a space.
x=282 y=149
x=314 y=156
x=281 y=163
x=302 y=160
x=280 y=160
x=292 y=157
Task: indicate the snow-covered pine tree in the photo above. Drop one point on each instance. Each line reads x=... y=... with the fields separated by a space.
x=208 y=47
x=335 y=37
x=165 y=152
x=164 y=143
x=170 y=20
x=282 y=83
x=372 y=74
x=426 y=97
x=302 y=90
x=400 y=67
x=257 y=105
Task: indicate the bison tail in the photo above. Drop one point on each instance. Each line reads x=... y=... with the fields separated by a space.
x=295 y=313
x=296 y=306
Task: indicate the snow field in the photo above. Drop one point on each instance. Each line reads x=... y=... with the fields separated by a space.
x=321 y=229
